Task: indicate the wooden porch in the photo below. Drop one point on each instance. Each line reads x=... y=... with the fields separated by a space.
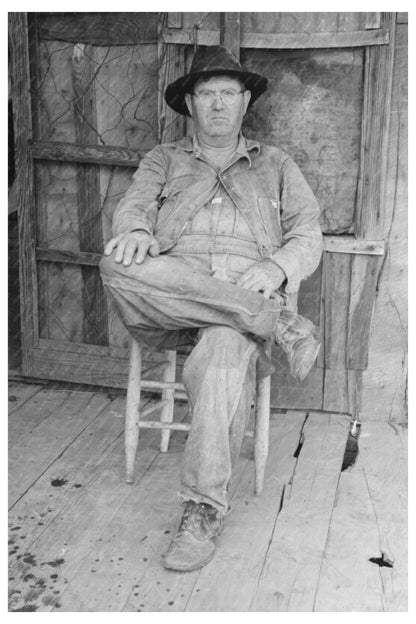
x=318 y=539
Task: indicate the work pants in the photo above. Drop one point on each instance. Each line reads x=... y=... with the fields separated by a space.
x=172 y=300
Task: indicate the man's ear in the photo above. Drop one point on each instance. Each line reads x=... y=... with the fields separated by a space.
x=188 y=100
x=247 y=98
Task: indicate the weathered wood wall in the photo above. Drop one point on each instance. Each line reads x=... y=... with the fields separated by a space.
x=87 y=95
x=384 y=395
x=96 y=106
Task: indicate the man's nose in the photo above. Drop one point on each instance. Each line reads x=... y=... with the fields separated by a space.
x=217 y=104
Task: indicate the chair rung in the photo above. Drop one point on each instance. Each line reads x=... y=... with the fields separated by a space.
x=153 y=408
x=154 y=368
x=161 y=385
x=154 y=424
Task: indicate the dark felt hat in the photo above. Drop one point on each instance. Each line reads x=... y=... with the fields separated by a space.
x=212 y=61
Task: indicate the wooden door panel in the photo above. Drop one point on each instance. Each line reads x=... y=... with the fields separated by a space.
x=312 y=110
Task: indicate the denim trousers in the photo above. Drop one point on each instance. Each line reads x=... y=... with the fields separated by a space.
x=191 y=299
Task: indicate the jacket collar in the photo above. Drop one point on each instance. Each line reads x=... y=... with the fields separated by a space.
x=244 y=147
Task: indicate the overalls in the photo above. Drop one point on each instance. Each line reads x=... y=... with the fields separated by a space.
x=187 y=295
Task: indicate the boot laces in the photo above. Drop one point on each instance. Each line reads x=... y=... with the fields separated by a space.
x=193 y=515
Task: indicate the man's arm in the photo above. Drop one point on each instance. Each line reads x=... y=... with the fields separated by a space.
x=136 y=214
x=301 y=251
x=302 y=239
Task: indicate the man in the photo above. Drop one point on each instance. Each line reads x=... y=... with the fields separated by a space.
x=210 y=244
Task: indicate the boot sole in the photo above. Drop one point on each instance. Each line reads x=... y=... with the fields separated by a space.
x=196 y=566
x=306 y=369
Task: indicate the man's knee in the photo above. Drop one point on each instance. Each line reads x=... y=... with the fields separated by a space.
x=222 y=346
x=151 y=266
x=109 y=267
x=221 y=334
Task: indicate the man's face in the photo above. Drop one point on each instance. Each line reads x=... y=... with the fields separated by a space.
x=218 y=118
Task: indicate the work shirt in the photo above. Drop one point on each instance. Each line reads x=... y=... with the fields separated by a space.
x=258 y=205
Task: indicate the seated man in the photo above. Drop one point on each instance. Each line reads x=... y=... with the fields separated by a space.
x=210 y=244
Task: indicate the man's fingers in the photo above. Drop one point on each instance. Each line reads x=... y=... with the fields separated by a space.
x=154 y=248
x=129 y=251
x=120 y=250
x=142 y=251
x=111 y=244
x=246 y=277
x=267 y=291
x=254 y=282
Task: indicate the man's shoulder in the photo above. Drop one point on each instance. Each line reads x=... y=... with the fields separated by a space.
x=184 y=144
x=273 y=152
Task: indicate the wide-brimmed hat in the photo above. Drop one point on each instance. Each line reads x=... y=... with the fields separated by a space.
x=212 y=61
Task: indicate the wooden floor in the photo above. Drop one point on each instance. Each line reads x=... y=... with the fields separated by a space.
x=80 y=539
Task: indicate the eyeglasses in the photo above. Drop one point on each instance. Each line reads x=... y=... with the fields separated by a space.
x=207 y=98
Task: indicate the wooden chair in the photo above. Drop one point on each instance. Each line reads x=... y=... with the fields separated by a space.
x=169 y=388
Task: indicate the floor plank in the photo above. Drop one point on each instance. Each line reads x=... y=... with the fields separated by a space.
x=31 y=411
x=251 y=522
x=291 y=571
x=20 y=393
x=83 y=540
x=166 y=590
x=32 y=455
x=75 y=520
x=348 y=581
x=383 y=450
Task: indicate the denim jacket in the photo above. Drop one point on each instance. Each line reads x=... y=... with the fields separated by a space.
x=174 y=181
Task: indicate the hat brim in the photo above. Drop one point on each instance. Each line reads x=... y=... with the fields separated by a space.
x=175 y=92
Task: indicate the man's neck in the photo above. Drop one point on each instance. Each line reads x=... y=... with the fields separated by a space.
x=218 y=153
x=221 y=143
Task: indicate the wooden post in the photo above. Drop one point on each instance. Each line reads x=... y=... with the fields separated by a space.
x=364 y=276
x=261 y=431
x=171 y=66
x=22 y=124
x=166 y=414
x=131 y=431
x=374 y=136
x=369 y=222
x=230 y=32
x=95 y=323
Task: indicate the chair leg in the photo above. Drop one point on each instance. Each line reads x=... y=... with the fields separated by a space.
x=131 y=432
x=166 y=414
x=261 y=433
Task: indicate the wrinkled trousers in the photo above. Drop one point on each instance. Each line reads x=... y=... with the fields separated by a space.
x=175 y=300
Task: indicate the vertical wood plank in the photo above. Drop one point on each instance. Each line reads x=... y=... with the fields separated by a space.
x=171 y=66
x=385 y=383
x=335 y=300
x=95 y=323
x=372 y=20
x=230 y=32
x=364 y=275
x=174 y=20
x=22 y=117
x=40 y=182
x=335 y=393
x=355 y=387
x=336 y=277
x=374 y=136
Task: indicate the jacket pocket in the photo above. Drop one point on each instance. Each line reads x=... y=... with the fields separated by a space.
x=270 y=215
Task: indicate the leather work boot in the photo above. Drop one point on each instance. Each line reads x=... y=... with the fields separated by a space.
x=193 y=545
x=299 y=339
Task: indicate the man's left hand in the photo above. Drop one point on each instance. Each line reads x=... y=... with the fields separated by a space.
x=264 y=277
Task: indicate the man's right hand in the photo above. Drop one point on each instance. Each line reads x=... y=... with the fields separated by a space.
x=131 y=244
